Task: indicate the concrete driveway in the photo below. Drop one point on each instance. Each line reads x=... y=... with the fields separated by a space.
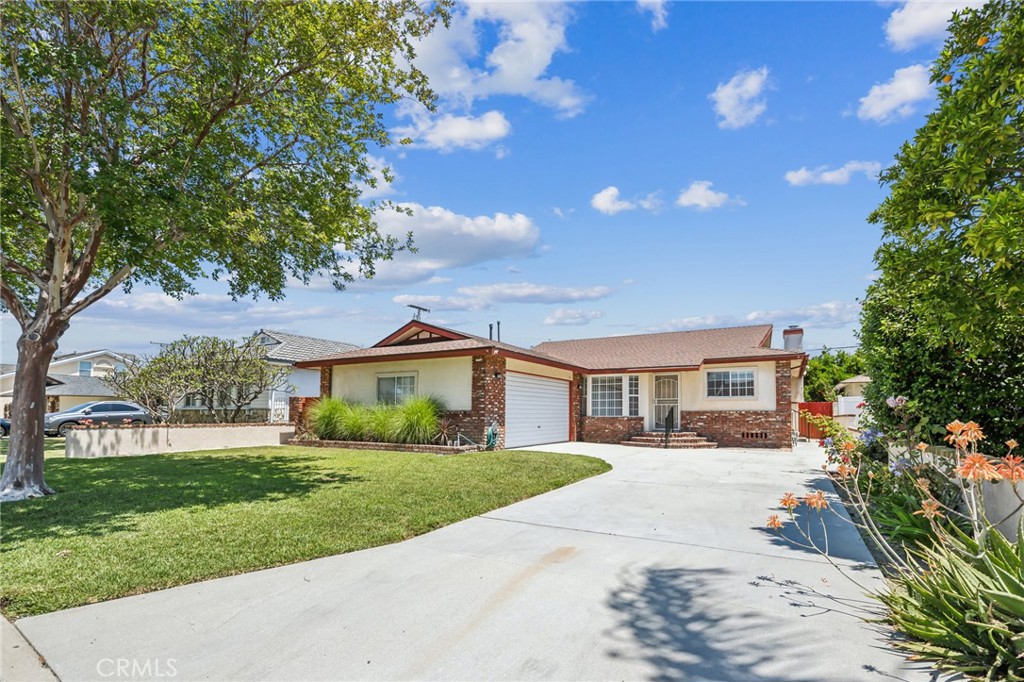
x=657 y=570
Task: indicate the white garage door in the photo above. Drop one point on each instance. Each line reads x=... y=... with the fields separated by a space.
x=536 y=410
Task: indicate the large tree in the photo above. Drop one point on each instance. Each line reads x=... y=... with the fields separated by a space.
x=158 y=142
x=826 y=370
x=944 y=322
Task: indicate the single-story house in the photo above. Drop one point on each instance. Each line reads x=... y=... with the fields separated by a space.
x=286 y=350
x=727 y=385
x=854 y=386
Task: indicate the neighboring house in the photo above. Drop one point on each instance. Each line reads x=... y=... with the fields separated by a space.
x=727 y=385
x=282 y=348
x=72 y=379
x=850 y=400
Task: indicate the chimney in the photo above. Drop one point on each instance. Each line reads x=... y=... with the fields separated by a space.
x=793 y=338
x=490 y=331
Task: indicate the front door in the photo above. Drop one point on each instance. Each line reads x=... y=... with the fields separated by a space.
x=666 y=398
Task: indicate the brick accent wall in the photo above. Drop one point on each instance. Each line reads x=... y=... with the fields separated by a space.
x=298 y=411
x=488 y=390
x=326 y=375
x=610 y=429
x=576 y=407
x=749 y=428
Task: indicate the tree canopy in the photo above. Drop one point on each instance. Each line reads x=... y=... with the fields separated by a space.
x=161 y=141
x=942 y=325
x=953 y=223
x=826 y=370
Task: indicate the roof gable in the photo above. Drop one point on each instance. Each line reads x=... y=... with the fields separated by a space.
x=418 y=331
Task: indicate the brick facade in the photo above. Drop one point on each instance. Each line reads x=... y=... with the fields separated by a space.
x=326 y=376
x=749 y=428
x=576 y=408
x=488 y=391
x=610 y=429
x=298 y=412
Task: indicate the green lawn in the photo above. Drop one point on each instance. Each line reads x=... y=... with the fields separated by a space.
x=121 y=526
x=52 y=447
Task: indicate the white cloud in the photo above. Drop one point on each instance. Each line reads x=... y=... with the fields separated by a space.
x=444 y=239
x=829 y=315
x=449 y=132
x=700 y=196
x=607 y=201
x=571 y=317
x=529 y=35
x=484 y=296
x=837 y=176
x=896 y=99
x=658 y=10
x=922 y=21
x=738 y=101
x=651 y=202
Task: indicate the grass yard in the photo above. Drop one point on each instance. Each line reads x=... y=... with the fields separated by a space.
x=121 y=526
x=52 y=447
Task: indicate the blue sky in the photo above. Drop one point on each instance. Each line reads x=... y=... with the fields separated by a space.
x=616 y=167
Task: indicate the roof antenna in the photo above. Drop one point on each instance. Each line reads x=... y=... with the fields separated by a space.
x=419 y=310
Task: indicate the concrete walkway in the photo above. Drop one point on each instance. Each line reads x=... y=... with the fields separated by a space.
x=658 y=570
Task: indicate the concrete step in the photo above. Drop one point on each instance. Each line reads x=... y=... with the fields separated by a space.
x=699 y=445
x=661 y=439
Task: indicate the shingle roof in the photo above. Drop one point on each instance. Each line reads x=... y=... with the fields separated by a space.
x=467 y=344
x=72 y=385
x=666 y=349
x=295 y=348
x=859 y=379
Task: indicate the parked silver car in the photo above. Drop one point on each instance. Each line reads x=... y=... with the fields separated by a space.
x=97 y=412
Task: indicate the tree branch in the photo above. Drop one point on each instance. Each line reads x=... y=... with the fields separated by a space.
x=13 y=303
x=112 y=283
x=19 y=269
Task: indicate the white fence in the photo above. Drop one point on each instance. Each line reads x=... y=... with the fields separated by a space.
x=278 y=408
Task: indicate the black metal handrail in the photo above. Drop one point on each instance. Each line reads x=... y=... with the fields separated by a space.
x=669 y=424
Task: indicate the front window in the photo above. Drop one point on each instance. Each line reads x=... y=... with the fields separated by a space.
x=731 y=383
x=396 y=388
x=615 y=396
x=85 y=369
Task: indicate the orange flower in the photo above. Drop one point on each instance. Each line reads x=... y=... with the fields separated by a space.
x=983 y=41
x=844 y=471
x=789 y=501
x=929 y=509
x=972 y=432
x=1011 y=444
x=816 y=500
x=848 y=446
x=977 y=467
x=921 y=447
x=1011 y=468
x=924 y=484
x=948 y=78
x=955 y=427
x=773 y=522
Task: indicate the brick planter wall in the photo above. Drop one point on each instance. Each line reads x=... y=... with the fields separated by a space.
x=749 y=428
x=610 y=429
x=384 y=447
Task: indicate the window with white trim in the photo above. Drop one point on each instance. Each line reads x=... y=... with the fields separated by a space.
x=394 y=388
x=731 y=383
x=610 y=394
x=84 y=368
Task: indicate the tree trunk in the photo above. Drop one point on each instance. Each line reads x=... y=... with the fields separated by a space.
x=23 y=471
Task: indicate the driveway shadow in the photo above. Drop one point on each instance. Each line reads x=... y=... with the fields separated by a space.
x=831 y=528
x=666 y=613
x=101 y=496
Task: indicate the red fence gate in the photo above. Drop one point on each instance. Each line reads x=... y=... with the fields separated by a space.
x=807 y=429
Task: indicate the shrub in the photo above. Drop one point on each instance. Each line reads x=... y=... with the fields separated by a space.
x=966 y=611
x=325 y=418
x=382 y=423
x=355 y=422
x=418 y=419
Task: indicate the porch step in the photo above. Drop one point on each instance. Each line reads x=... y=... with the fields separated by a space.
x=680 y=440
x=697 y=445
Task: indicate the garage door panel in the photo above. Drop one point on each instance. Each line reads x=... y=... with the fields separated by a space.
x=536 y=410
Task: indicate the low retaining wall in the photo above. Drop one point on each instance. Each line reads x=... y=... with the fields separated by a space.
x=156 y=439
x=386 y=447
